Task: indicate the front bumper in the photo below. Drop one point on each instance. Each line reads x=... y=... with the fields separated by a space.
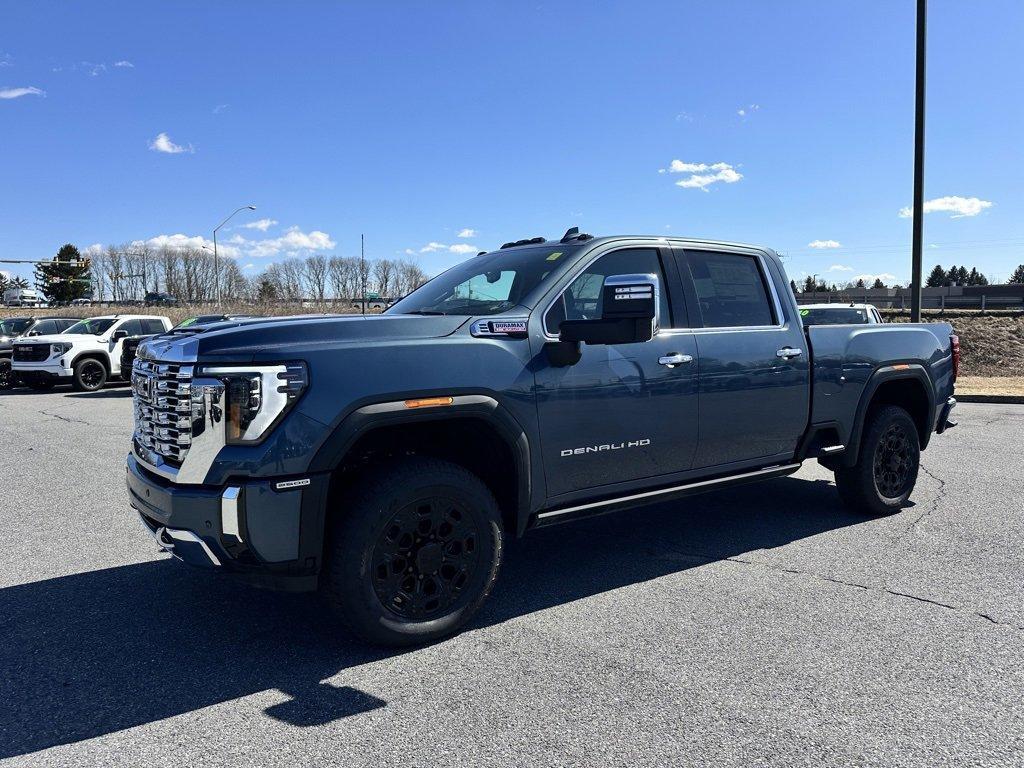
x=271 y=537
x=48 y=369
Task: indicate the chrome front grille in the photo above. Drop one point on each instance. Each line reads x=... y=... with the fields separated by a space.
x=164 y=409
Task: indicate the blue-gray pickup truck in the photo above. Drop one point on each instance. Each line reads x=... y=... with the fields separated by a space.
x=385 y=459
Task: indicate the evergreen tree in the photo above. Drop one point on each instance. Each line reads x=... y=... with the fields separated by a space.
x=860 y=283
x=1018 y=275
x=878 y=283
x=809 y=283
x=937 y=277
x=792 y=287
x=18 y=282
x=4 y=282
x=961 y=276
x=952 y=276
x=66 y=278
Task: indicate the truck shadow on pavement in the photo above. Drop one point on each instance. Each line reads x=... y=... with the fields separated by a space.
x=94 y=653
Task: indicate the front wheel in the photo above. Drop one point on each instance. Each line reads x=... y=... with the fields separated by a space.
x=7 y=378
x=886 y=470
x=90 y=375
x=415 y=552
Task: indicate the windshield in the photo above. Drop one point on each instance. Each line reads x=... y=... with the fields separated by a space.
x=485 y=285
x=91 y=327
x=14 y=327
x=837 y=316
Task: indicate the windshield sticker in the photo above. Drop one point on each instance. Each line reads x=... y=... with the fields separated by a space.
x=554 y=256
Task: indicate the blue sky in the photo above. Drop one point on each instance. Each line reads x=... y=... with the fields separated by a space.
x=791 y=123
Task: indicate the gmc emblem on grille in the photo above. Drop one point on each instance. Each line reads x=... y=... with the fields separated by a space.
x=143 y=387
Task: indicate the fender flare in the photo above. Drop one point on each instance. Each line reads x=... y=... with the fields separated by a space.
x=94 y=354
x=366 y=416
x=884 y=375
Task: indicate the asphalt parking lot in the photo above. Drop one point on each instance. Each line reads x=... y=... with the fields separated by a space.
x=761 y=625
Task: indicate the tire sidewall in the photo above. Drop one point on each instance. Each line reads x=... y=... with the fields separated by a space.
x=374 y=618
x=6 y=375
x=882 y=422
x=80 y=368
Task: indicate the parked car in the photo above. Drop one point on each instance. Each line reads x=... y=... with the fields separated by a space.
x=87 y=354
x=130 y=346
x=384 y=459
x=839 y=314
x=81 y=302
x=14 y=328
x=22 y=297
x=160 y=300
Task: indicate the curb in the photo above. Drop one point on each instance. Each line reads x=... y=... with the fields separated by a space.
x=1014 y=399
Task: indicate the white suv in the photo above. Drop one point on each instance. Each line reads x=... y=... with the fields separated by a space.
x=87 y=354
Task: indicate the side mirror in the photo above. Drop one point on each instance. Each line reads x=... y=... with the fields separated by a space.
x=629 y=313
x=119 y=334
x=32 y=333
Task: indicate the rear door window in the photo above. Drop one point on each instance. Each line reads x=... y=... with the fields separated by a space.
x=731 y=290
x=45 y=328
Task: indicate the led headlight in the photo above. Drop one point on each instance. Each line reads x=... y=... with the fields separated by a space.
x=59 y=349
x=256 y=397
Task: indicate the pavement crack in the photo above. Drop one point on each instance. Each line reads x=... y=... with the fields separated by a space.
x=853 y=585
x=65 y=418
x=933 y=504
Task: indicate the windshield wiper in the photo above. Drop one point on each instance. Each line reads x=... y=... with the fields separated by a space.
x=425 y=312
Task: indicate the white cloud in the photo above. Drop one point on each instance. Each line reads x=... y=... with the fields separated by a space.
x=467 y=232
x=748 y=110
x=93 y=250
x=410 y=252
x=292 y=243
x=187 y=241
x=17 y=93
x=93 y=70
x=163 y=143
x=220 y=108
x=262 y=224
x=249 y=266
x=702 y=175
x=6 y=60
x=458 y=248
x=954 y=204
x=840 y=268
x=123 y=64
x=824 y=244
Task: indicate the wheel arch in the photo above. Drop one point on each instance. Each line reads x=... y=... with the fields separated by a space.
x=474 y=431
x=93 y=354
x=905 y=385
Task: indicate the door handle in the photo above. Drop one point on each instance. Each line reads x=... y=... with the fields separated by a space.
x=674 y=359
x=787 y=352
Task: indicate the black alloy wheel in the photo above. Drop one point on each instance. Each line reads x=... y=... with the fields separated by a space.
x=90 y=375
x=6 y=375
x=424 y=557
x=893 y=461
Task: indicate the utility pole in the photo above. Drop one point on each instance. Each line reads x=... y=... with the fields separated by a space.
x=362 y=268
x=918 y=225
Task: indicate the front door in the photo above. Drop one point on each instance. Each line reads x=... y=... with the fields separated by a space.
x=623 y=412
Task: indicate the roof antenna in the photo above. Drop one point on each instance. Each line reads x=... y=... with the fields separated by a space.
x=569 y=234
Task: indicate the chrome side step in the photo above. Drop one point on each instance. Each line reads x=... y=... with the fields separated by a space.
x=635 y=499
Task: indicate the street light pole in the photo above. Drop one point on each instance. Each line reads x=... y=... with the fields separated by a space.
x=918 y=224
x=216 y=261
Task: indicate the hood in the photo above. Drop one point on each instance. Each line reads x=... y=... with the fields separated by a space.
x=56 y=338
x=290 y=337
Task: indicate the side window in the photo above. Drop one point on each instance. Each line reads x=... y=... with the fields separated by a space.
x=133 y=327
x=153 y=326
x=45 y=327
x=582 y=299
x=731 y=291
x=63 y=325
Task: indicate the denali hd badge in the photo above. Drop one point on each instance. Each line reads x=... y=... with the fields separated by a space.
x=606 y=447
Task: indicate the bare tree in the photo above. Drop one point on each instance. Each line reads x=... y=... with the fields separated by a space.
x=316 y=277
x=384 y=272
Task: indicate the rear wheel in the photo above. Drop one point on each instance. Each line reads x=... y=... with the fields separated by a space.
x=415 y=552
x=886 y=470
x=90 y=375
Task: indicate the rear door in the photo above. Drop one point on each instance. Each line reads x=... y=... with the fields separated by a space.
x=754 y=369
x=624 y=412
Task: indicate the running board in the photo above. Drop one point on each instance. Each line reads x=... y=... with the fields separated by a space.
x=553 y=516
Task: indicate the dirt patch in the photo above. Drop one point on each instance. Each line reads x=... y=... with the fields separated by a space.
x=990 y=385
x=990 y=345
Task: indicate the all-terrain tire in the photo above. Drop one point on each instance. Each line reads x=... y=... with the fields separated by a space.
x=415 y=549
x=90 y=375
x=886 y=470
x=8 y=380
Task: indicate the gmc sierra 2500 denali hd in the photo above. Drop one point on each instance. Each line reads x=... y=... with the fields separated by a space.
x=384 y=459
